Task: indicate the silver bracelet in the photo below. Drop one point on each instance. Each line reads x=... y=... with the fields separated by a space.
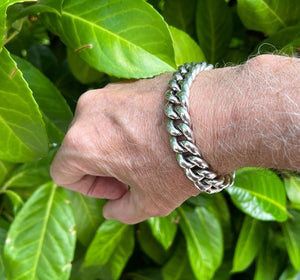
x=181 y=134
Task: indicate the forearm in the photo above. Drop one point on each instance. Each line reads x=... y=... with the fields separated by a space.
x=249 y=115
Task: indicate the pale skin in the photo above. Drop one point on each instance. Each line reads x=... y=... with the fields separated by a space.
x=247 y=115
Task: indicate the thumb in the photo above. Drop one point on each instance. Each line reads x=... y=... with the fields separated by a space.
x=125 y=209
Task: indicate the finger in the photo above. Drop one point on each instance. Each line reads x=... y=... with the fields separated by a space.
x=65 y=171
x=72 y=160
x=124 y=210
x=99 y=187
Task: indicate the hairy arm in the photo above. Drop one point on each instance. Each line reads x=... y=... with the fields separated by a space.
x=246 y=115
x=249 y=115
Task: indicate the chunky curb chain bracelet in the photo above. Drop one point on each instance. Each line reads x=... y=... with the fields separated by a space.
x=181 y=134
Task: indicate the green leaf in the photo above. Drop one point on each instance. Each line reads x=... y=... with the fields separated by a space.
x=221 y=211
x=204 y=240
x=144 y=274
x=217 y=205
x=214 y=28
x=50 y=6
x=178 y=267
x=49 y=99
x=292 y=186
x=81 y=70
x=185 y=48
x=5 y=169
x=290 y=274
x=185 y=14
x=110 y=249
x=268 y=263
x=249 y=242
x=281 y=40
x=3 y=232
x=121 y=38
x=224 y=271
x=260 y=194
x=291 y=231
x=23 y=33
x=150 y=245
x=268 y=16
x=3 y=7
x=42 y=234
x=164 y=228
x=88 y=215
x=16 y=201
x=23 y=135
x=31 y=174
x=54 y=6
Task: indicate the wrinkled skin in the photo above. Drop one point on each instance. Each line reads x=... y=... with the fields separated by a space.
x=118 y=138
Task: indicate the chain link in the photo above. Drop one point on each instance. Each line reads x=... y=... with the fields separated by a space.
x=181 y=134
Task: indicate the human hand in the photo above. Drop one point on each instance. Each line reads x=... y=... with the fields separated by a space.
x=118 y=138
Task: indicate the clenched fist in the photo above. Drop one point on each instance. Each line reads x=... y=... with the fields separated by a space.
x=117 y=148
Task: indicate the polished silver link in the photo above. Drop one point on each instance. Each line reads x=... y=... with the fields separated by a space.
x=181 y=135
x=183 y=162
x=174 y=85
x=186 y=131
x=176 y=147
x=171 y=97
x=172 y=129
x=170 y=112
x=183 y=114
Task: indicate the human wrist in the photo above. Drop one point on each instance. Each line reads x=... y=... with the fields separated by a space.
x=210 y=112
x=247 y=115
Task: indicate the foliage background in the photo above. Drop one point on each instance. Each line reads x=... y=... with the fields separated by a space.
x=51 y=52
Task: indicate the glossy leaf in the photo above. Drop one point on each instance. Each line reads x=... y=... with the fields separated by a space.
x=260 y=194
x=110 y=249
x=31 y=174
x=43 y=58
x=268 y=263
x=180 y=14
x=16 y=200
x=224 y=271
x=204 y=240
x=121 y=38
x=150 y=245
x=4 y=225
x=88 y=215
x=27 y=32
x=292 y=185
x=3 y=7
x=214 y=28
x=3 y=232
x=81 y=70
x=291 y=231
x=43 y=233
x=23 y=135
x=290 y=274
x=178 y=266
x=5 y=169
x=49 y=99
x=50 y=6
x=220 y=209
x=164 y=228
x=249 y=242
x=217 y=205
x=268 y=16
x=280 y=41
x=185 y=48
x=144 y=274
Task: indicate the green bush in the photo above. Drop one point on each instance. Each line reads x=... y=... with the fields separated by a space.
x=51 y=52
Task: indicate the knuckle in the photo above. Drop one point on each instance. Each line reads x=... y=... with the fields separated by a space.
x=85 y=99
x=72 y=139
